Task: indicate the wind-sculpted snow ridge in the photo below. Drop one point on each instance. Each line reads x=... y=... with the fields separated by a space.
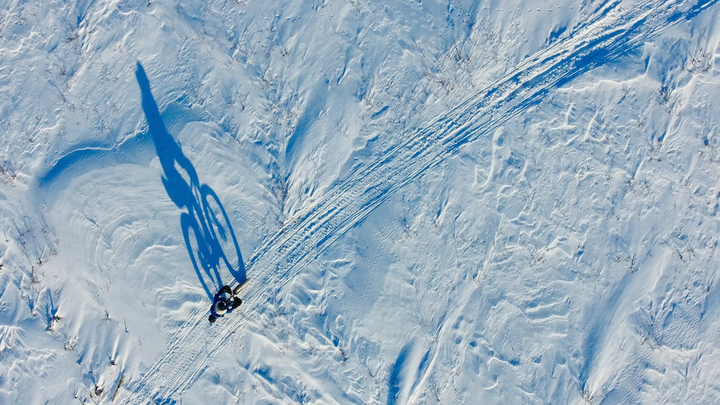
x=611 y=32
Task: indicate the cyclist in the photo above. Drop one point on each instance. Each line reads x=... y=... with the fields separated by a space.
x=223 y=303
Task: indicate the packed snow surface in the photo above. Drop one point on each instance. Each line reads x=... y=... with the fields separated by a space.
x=450 y=202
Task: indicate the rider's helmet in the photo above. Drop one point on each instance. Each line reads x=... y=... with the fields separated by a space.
x=220 y=308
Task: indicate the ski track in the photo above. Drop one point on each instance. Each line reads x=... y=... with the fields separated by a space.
x=608 y=34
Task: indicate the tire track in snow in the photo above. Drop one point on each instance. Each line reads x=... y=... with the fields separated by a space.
x=608 y=34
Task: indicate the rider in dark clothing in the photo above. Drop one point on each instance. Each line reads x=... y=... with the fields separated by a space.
x=223 y=303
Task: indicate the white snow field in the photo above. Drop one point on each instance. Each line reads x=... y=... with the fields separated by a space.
x=437 y=201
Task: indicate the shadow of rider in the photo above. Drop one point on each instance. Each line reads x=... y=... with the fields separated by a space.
x=186 y=192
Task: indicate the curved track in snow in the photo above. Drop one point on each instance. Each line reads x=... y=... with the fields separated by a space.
x=608 y=34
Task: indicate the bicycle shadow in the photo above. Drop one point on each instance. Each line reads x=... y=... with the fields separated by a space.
x=205 y=217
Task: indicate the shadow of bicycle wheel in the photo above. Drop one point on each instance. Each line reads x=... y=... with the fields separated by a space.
x=213 y=243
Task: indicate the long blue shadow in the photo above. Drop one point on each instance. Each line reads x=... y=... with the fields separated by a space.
x=84 y=158
x=205 y=224
x=396 y=374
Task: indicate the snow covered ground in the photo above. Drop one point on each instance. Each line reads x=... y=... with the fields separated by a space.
x=434 y=201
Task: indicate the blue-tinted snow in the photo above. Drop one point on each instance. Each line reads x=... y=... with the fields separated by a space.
x=435 y=202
